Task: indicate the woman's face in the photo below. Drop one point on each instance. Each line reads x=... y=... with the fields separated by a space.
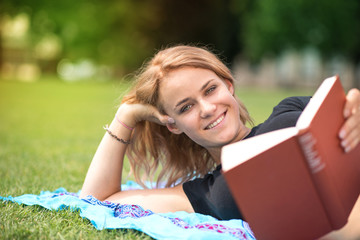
x=203 y=107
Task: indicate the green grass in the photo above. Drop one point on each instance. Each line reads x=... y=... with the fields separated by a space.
x=49 y=131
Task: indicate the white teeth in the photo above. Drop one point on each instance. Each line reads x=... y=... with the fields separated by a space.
x=214 y=124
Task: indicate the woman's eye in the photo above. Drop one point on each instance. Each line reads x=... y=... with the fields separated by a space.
x=210 y=89
x=185 y=108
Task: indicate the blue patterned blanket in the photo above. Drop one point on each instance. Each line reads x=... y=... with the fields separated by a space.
x=107 y=215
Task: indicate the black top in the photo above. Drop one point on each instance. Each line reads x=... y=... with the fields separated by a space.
x=210 y=195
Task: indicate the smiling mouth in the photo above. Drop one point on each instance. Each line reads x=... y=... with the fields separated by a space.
x=216 y=122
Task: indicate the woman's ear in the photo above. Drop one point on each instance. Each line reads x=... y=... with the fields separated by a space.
x=173 y=128
x=230 y=86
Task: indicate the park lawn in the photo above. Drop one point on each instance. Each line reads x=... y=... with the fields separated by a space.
x=49 y=131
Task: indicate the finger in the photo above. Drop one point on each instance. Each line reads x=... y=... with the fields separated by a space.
x=350 y=132
x=351 y=141
x=352 y=102
x=352 y=123
x=163 y=119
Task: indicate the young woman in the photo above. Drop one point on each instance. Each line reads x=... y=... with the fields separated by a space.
x=179 y=114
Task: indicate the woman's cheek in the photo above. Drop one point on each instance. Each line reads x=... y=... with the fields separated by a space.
x=189 y=124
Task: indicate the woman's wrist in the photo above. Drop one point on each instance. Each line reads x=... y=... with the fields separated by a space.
x=124 y=116
x=123 y=123
x=119 y=130
x=113 y=135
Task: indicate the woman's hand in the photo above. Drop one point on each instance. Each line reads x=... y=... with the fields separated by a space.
x=131 y=114
x=350 y=131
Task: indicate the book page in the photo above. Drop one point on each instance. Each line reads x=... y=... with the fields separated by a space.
x=239 y=152
x=313 y=106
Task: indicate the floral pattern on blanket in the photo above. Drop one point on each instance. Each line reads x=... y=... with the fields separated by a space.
x=135 y=211
x=105 y=214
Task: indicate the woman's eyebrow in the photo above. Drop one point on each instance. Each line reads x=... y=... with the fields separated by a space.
x=201 y=89
x=181 y=102
x=206 y=84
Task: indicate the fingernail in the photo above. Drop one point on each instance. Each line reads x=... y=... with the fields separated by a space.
x=347 y=149
x=342 y=134
x=171 y=120
x=344 y=144
x=346 y=113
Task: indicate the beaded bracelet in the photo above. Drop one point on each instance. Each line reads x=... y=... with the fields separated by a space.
x=130 y=128
x=116 y=137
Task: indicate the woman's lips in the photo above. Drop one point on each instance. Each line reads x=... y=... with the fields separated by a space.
x=216 y=122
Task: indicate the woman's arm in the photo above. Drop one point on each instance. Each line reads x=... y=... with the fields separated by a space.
x=160 y=200
x=104 y=174
x=103 y=179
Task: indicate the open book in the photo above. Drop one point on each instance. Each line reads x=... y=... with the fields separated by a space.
x=297 y=183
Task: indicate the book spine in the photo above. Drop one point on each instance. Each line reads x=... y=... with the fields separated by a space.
x=327 y=193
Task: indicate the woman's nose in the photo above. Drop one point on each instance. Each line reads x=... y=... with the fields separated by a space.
x=207 y=109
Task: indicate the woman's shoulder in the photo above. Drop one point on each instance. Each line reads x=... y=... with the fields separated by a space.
x=285 y=114
x=293 y=103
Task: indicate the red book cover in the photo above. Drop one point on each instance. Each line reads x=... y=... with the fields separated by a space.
x=297 y=183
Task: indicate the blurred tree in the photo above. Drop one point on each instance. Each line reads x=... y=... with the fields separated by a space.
x=210 y=23
x=124 y=33
x=107 y=32
x=328 y=25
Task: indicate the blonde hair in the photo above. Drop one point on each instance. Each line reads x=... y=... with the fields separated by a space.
x=154 y=148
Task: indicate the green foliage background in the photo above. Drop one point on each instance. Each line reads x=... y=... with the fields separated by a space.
x=124 y=33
